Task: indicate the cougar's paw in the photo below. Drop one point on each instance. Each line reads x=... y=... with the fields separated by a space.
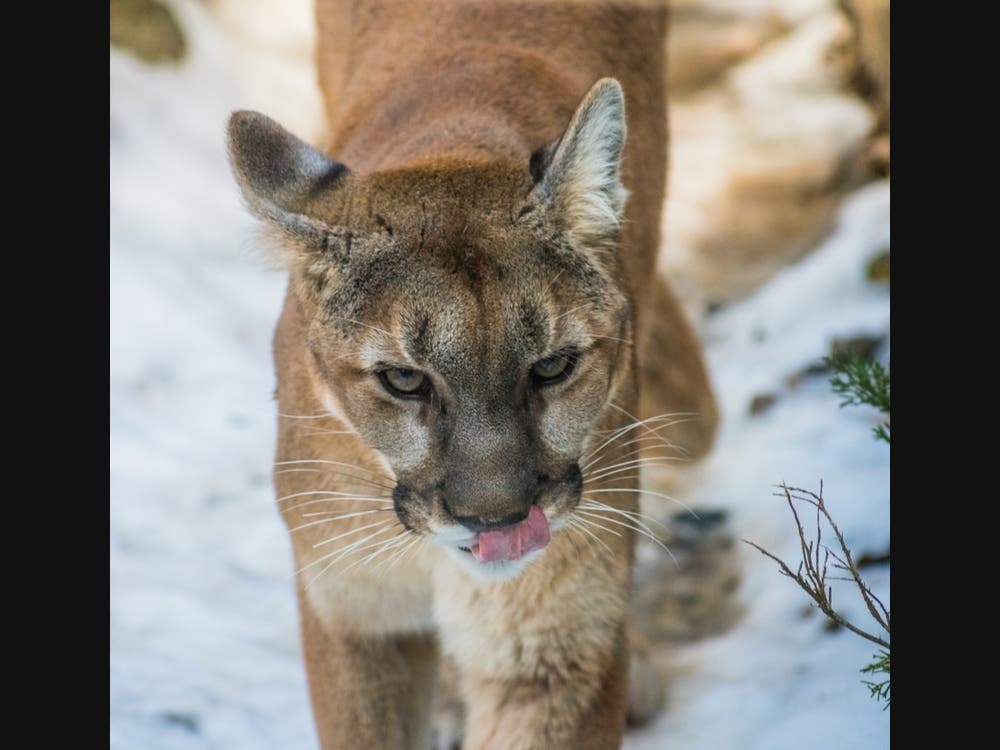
x=448 y=716
x=646 y=690
x=447 y=729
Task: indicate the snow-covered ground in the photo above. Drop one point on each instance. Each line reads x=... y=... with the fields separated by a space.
x=778 y=679
x=204 y=638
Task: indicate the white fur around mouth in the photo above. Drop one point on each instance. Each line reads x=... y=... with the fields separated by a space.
x=457 y=541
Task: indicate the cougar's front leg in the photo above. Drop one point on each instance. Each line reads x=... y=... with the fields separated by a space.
x=543 y=657
x=368 y=691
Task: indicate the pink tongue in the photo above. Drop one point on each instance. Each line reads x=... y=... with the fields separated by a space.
x=513 y=542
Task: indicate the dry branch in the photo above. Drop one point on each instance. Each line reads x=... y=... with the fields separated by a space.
x=811 y=573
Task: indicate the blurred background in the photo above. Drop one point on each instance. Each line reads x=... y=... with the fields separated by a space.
x=776 y=238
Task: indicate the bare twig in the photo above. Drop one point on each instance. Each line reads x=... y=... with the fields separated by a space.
x=811 y=575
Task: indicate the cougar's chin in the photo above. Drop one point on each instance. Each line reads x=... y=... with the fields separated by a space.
x=494 y=570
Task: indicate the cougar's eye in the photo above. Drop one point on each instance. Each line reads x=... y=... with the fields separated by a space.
x=554 y=368
x=404 y=382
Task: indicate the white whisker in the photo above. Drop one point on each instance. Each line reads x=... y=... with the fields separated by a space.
x=647 y=492
x=652 y=435
x=594 y=523
x=689 y=415
x=361 y=481
x=386 y=565
x=628 y=466
x=576 y=525
x=415 y=544
x=655 y=418
x=331 y=520
x=341 y=553
x=637 y=517
x=634 y=451
x=622 y=431
x=573 y=531
x=332 y=493
x=334 y=463
x=602 y=482
x=383 y=504
x=330 y=432
x=351 y=531
x=658 y=443
x=345 y=548
x=630 y=462
x=390 y=544
x=648 y=534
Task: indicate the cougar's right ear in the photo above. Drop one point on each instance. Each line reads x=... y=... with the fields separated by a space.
x=280 y=175
x=578 y=177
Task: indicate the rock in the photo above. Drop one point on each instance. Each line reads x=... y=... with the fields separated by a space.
x=869 y=21
x=182 y=720
x=878 y=268
x=767 y=132
x=814 y=369
x=872 y=559
x=750 y=191
x=870 y=24
x=877 y=156
x=761 y=403
x=863 y=347
x=147 y=29
x=704 y=42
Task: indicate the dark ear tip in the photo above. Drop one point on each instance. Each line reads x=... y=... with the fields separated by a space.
x=241 y=124
x=239 y=120
x=240 y=115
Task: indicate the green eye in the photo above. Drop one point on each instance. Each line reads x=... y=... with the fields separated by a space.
x=553 y=369
x=404 y=382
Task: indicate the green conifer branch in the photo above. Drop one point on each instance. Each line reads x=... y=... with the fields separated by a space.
x=862 y=382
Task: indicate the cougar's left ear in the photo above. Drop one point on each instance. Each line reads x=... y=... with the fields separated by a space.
x=281 y=176
x=578 y=176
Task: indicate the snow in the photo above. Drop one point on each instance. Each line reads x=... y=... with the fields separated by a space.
x=777 y=679
x=204 y=632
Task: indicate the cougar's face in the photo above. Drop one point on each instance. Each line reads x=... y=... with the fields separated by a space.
x=467 y=320
x=474 y=349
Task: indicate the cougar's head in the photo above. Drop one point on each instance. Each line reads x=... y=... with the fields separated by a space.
x=470 y=321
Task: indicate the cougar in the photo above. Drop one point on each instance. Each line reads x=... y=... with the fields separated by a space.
x=474 y=358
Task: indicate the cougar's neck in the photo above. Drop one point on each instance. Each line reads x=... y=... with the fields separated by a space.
x=443 y=110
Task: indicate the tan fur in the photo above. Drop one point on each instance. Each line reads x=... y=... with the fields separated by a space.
x=437 y=250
